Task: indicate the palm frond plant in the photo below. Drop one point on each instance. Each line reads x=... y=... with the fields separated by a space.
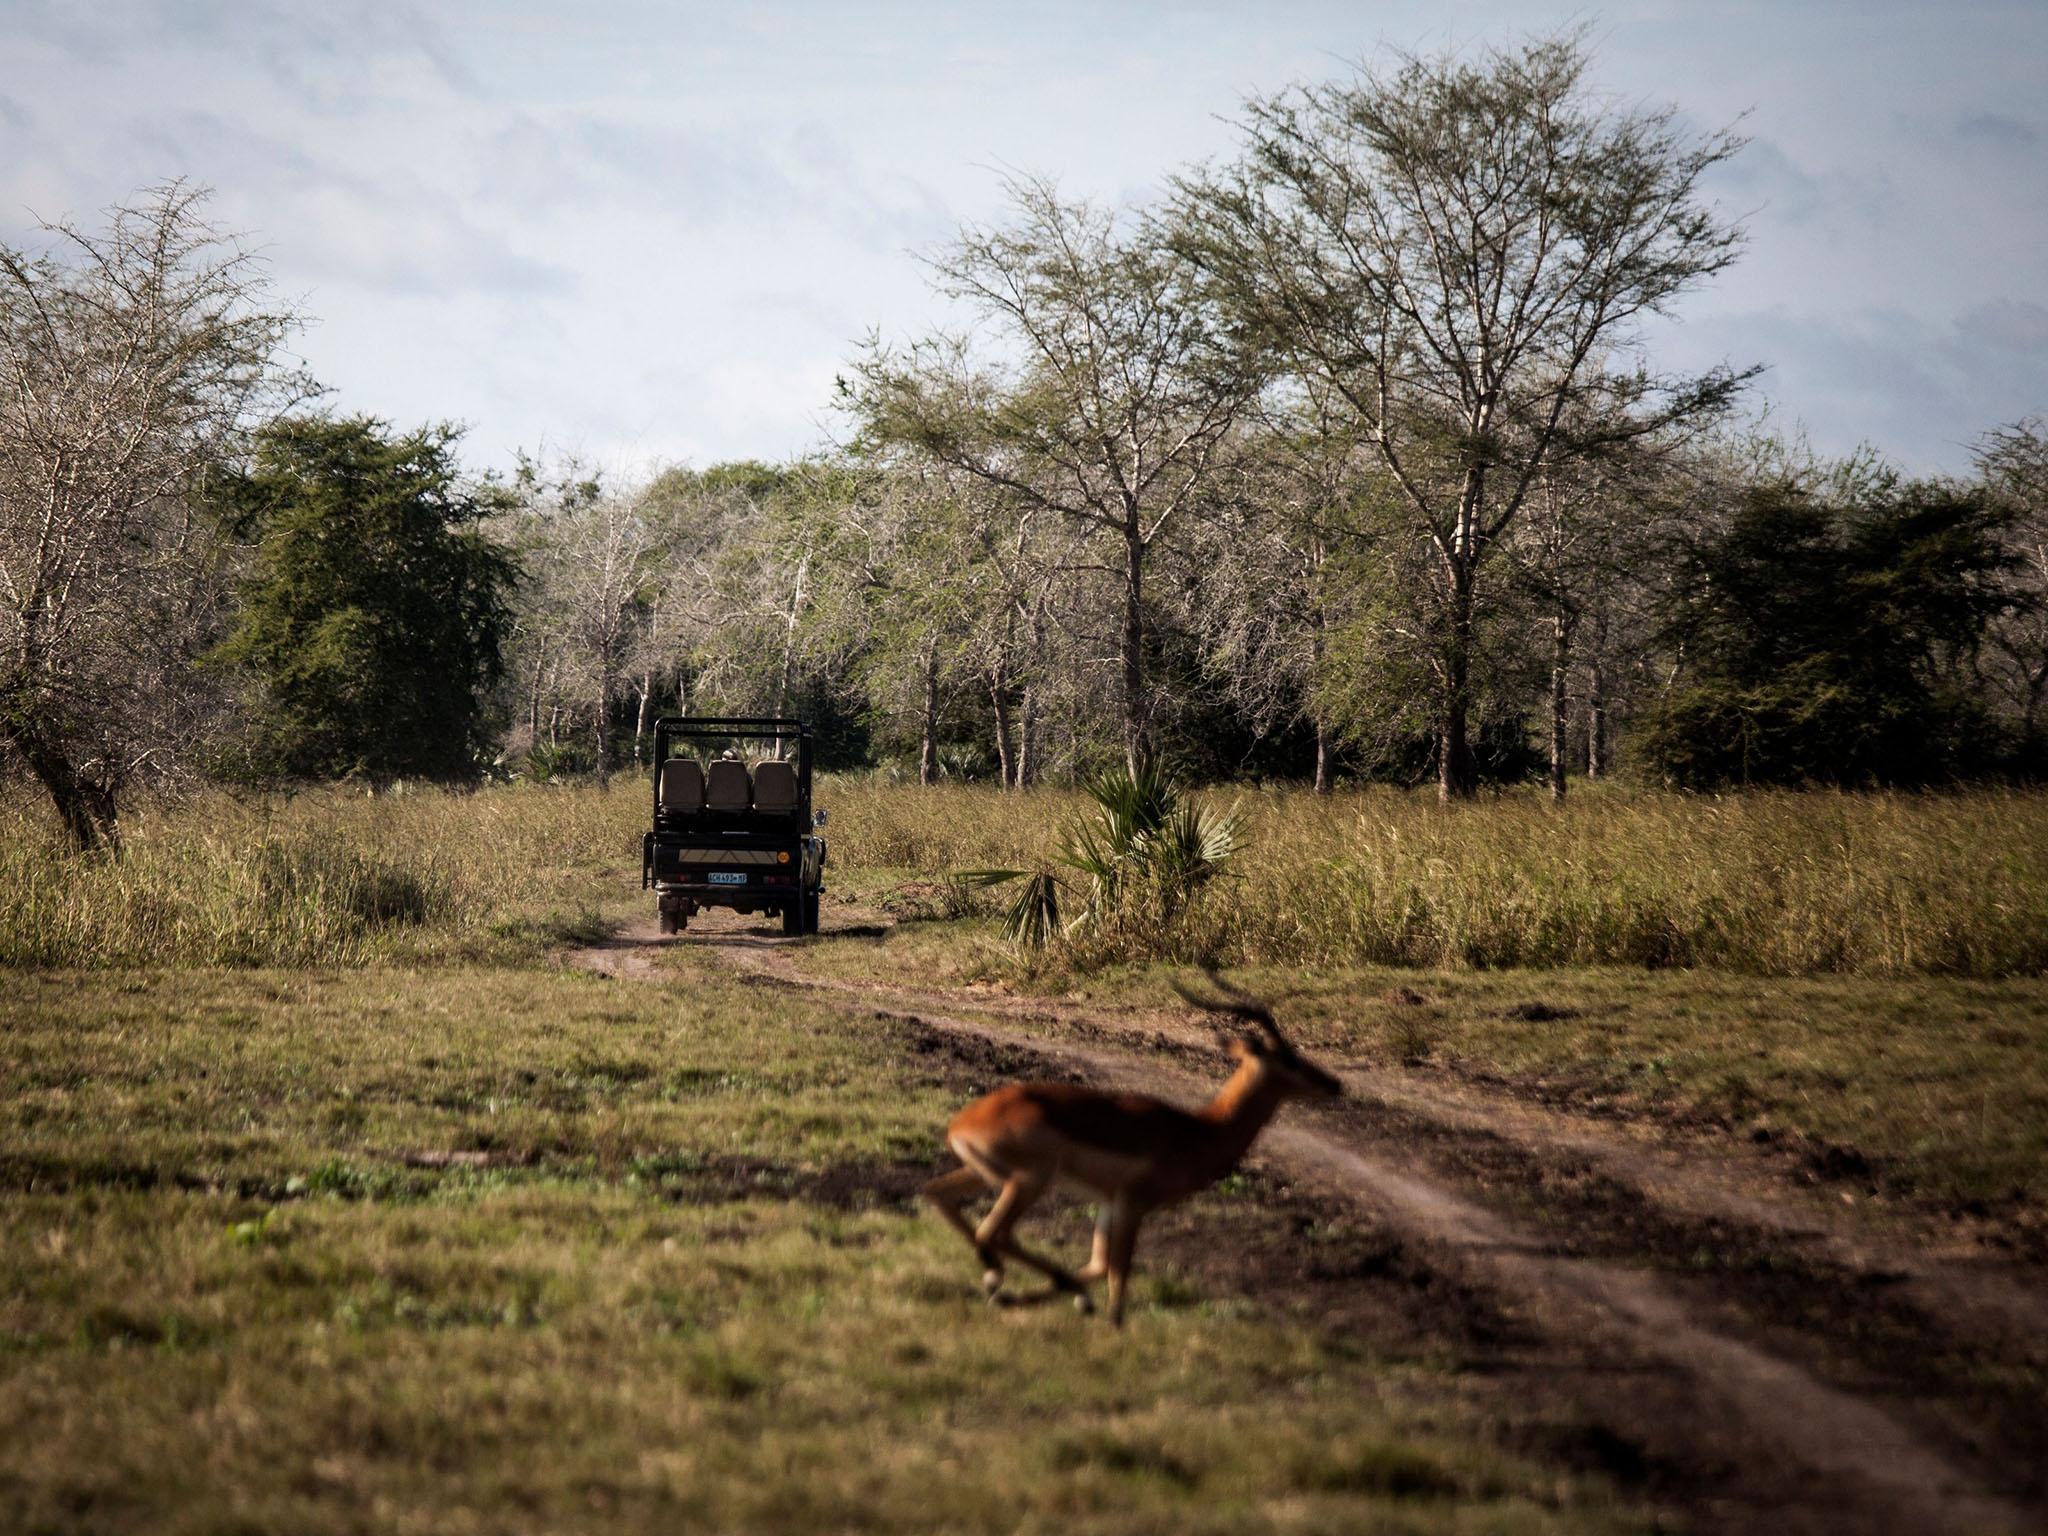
x=1147 y=848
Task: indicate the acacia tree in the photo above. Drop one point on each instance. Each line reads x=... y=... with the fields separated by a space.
x=1464 y=251
x=1270 y=558
x=601 y=566
x=1571 y=552
x=2013 y=461
x=695 y=518
x=920 y=582
x=591 y=561
x=1107 y=402
x=133 y=363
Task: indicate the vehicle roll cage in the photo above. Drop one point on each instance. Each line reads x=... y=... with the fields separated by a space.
x=669 y=729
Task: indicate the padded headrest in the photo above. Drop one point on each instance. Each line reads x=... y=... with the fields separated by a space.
x=774 y=785
x=727 y=787
x=682 y=784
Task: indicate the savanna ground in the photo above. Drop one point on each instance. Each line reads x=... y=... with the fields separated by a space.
x=369 y=1165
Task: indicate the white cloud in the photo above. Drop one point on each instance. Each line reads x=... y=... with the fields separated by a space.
x=658 y=229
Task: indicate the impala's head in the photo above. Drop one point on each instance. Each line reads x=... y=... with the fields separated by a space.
x=1272 y=1051
x=1262 y=1043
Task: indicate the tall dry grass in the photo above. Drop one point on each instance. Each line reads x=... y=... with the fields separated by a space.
x=1772 y=883
x=324 y=878
x=1777 y=883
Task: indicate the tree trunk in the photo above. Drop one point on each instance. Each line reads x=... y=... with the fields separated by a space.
x=88 y=810
x=1596 y=704
x=796 y=603
x=1027 y=710
x=1561 y=625
x=1027 y=739
x=999 y=697
x=928 y=753
x=1325 y=768
x=1137 y=745
x=640 y=720
x=605 y=685
x=540 y=662
x=1457 y=773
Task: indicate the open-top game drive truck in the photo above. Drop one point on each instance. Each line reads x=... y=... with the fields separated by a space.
x=729 y=832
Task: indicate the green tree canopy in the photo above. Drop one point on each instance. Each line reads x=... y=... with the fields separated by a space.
x=374 y=612
x=1824 y=638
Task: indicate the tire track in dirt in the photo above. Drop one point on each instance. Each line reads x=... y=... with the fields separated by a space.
x=1807 y=1455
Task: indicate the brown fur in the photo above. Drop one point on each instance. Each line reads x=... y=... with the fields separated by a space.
x=1132 y=1152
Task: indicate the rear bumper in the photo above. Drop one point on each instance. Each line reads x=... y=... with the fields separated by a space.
x=767 y=871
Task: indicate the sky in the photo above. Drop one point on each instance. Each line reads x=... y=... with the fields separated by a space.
x=653 y=233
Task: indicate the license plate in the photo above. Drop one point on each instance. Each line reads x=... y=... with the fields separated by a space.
x=725 y=877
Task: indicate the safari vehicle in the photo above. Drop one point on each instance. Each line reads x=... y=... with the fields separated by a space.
x=729 y=832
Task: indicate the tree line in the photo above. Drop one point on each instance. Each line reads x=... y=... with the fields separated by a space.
x=1348 y=458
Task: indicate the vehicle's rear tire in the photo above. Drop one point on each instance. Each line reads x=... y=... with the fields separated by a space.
x=667 y=919
x=810 y=912
x=793 y=918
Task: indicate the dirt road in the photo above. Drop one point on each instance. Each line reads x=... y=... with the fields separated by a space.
x=1749 y=1360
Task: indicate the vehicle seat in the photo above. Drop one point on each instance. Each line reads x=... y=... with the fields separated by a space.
x=775 y=786
x=682 y=785
x=727 y=787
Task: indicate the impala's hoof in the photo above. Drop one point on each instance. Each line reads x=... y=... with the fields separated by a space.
x=991 y=1282
x=1083 y=1305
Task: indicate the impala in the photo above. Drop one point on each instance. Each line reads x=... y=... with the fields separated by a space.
x=1131 y=1153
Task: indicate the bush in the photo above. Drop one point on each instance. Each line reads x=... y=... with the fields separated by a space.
x=1147 y=849
x=1825 y=643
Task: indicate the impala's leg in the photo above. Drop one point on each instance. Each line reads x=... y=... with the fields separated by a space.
x=1122 y=1242
x=996 y=1179
x=995 y=1233
x=1098 y=1260
x=1098 y=1255
x=950 y=1191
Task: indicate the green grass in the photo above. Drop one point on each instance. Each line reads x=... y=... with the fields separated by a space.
x=327 y=1203
x=669 y=1281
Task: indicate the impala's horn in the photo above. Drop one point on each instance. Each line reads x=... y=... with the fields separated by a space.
x=1236 y=1002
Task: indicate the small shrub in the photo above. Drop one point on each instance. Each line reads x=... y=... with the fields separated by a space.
x=367 y=890
x=1136 y=863
x=1410 y=1037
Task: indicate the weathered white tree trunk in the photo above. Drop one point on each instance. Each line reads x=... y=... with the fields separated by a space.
x=999 y=699
x=928 y=750
x=1137 y=742
x=1561 y=626
x=640 y=719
